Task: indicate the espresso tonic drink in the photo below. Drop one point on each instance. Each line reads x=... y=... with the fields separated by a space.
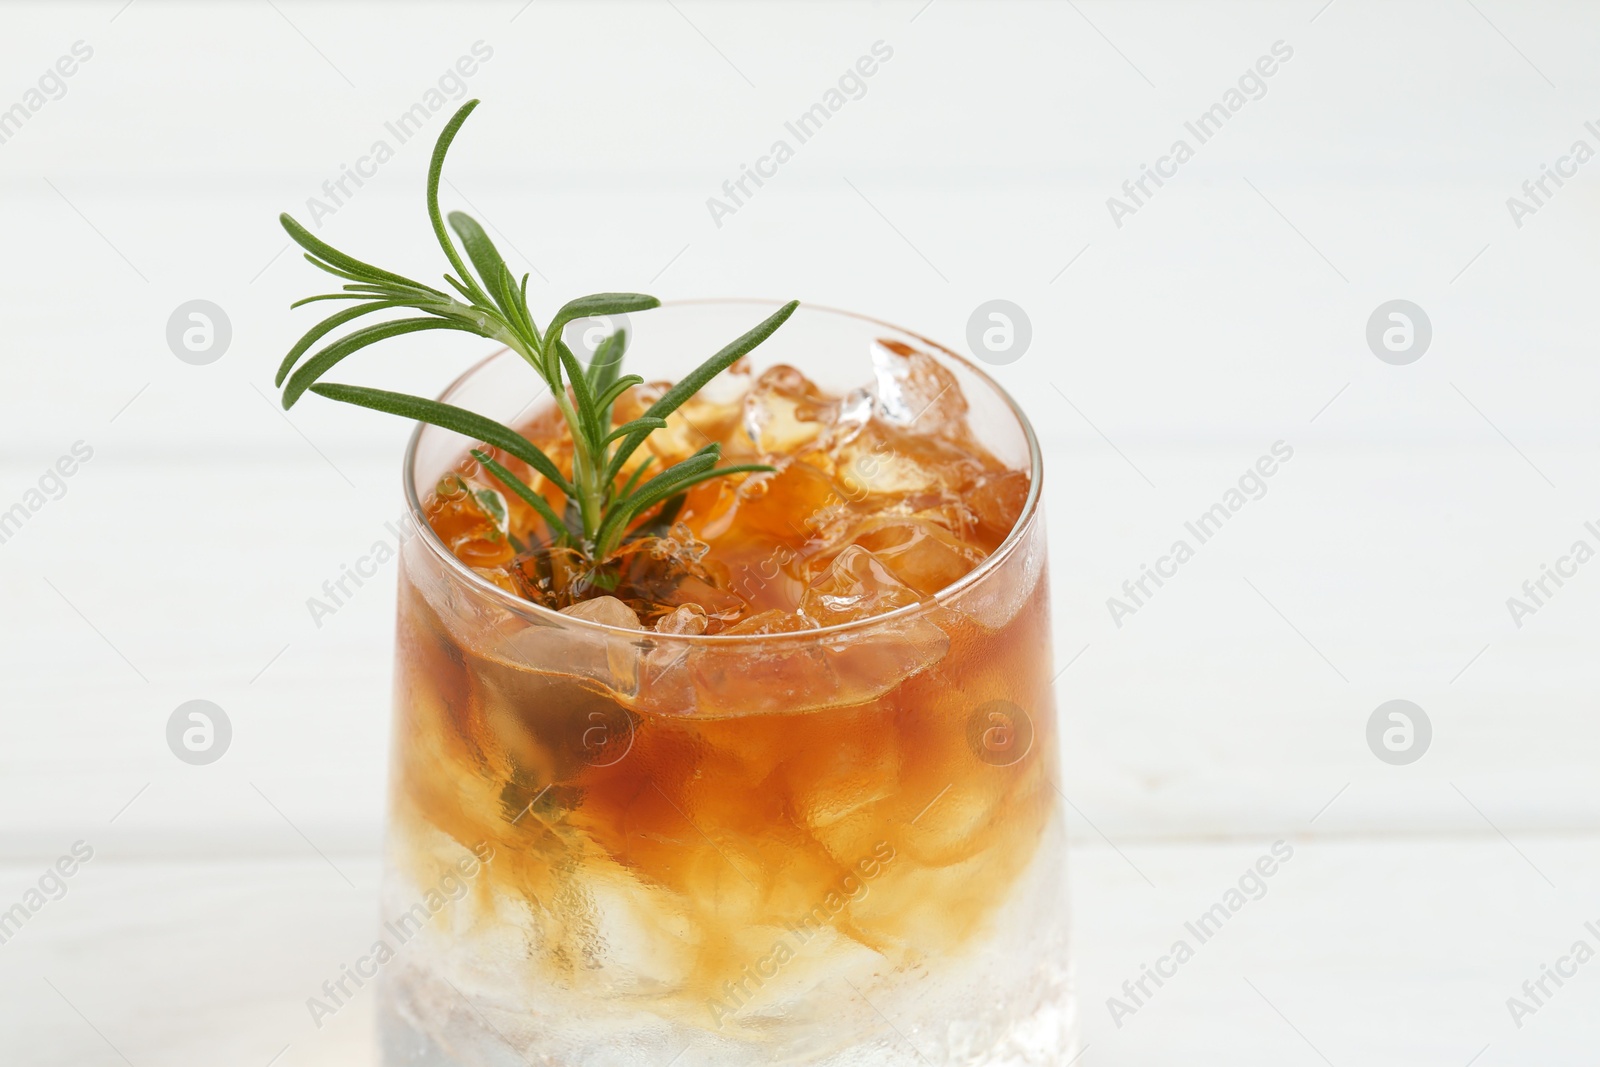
x=775 y=784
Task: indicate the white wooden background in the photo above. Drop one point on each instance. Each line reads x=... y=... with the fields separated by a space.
x=1168 y=354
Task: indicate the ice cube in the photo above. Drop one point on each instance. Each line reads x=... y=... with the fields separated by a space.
x=870 y=661
x=855 y=585
x=961 y=823
x=690 y=428
x=677 y=440
x=879 y=462
x=684 y=619
x=538 y=650
x=655 y=599
x=1008 y=587
x=772 y=622
x=499 y=576
x=923 y=555
x=783 y=676
x=838 y=788
x=680 y=546
x=915 y=390
x=875 y=659
x=850 y=415
x=550 y=699
x=470 y=518
x=997 y=500
x=607 y=610
x=953 y=516
x=788 y=507
x=645 y=929
x=784 y=411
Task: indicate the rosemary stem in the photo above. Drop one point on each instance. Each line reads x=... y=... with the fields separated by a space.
x=493 y=305
x=584 y=471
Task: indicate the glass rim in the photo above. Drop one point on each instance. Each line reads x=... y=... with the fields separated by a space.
x=550 y=616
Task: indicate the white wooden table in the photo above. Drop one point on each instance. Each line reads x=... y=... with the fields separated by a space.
x=1227 y=313
x=1396 y=952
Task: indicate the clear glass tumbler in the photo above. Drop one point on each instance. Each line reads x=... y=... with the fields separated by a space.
x=614 y=848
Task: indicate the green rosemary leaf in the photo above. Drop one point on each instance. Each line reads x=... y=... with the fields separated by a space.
x=449 y=417
x=558 y=528
x=694 y=479
x=662 y=484
x=600 y=304
x=391 y=289
x=633 y=479
x=329 y=357
x=582 y=397
x=666 y=483
x=325 y=327
x=660 y=524
x=607 y=364
x=305 y=239
x=494 y=505
x=696 y=380
x=745 y=468
x=711 y=448
x=645 y=422
x=463 y=290
x=435 y=171
x=330 y=268
x=616 y=389
x=677 y=478
x=634 y=439
x=732 y=468
x=605 y=579
x=329 y=296
x=629 y=445
x=523 y=320
x=485 y=257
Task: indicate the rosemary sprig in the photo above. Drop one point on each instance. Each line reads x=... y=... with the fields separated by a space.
x=490 y=302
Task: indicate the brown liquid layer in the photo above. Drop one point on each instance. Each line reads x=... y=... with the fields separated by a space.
x=897 y=824
x=706 y=824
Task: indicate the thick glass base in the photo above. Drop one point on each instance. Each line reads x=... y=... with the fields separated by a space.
x=453 y=999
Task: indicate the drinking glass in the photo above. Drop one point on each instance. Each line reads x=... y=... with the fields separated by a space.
x=612 y=847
